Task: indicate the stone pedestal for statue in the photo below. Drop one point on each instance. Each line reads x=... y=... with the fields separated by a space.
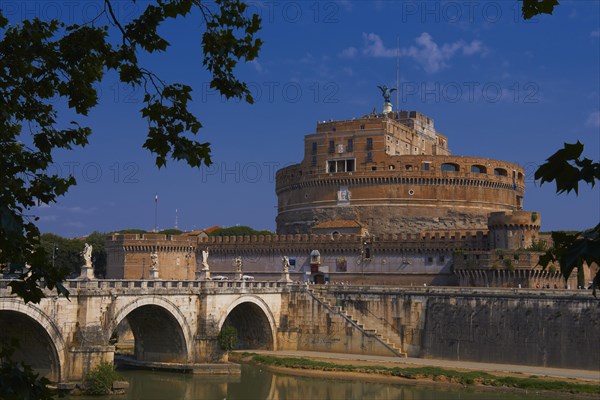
x=86 y=273
x=285 y=277
x=203 y=275
x=154 y=273
x=387 y=107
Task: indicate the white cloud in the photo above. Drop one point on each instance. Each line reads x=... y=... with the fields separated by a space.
x=350 y=52
x=345 y=4
x=433 y=57
x=374 y=47
x=257 y=66
x=595 y=33
x=593 y=120
x=427 y=53
x=77 y=209
x=74 y=224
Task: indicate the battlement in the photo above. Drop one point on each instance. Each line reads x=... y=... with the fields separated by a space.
x=517 y=218
x=430 y=237
x=349 y=242
x=128 y=237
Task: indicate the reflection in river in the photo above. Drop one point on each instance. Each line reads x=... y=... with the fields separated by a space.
x=257 y=384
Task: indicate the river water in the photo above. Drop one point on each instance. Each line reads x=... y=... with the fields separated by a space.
x=258 y=384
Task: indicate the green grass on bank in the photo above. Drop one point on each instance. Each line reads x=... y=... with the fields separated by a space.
x=434 y=373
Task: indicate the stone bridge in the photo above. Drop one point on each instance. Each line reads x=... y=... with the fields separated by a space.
x=171 y=321
x=177 y=323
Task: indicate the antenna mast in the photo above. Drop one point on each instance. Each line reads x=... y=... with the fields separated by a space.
x=397 y=76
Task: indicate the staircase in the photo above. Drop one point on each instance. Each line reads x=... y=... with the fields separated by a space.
x=361 y=327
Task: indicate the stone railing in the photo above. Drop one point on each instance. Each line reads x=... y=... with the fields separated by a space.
x=172 y=286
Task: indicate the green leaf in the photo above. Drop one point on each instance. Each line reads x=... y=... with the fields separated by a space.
x=531 y=8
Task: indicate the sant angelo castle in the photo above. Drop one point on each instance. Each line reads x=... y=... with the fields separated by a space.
x=377 y=199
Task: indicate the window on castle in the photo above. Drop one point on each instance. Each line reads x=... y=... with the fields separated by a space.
x=449 y=167
x=369 y=157
x=313 y=162
x=350 y=147
x=350 y=165
x=369 y=143
x=429 y=260
x=478 y=169
x=331 y=166
x=362 y=127
x=314 y=147
x=343 y=165
x=500 y=172
x=331 y=146
x=373 y=168
x=426 y=166
x=442 y=259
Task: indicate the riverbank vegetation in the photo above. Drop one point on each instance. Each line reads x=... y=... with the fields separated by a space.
x=466 y=378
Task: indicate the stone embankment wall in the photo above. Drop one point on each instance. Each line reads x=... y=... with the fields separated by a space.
x=553 y=328
x=313 y=326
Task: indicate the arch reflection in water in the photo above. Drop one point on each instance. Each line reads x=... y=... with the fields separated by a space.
x=257 y=384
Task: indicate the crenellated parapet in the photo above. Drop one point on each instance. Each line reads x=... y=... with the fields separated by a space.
x=386 y=243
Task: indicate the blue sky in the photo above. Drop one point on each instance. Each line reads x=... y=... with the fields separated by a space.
x=497 y=86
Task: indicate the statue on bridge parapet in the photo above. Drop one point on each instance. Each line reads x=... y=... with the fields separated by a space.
x=237 y=264
x=285 y=264
x=204 y=273
x=154 y=265
x=87 y=269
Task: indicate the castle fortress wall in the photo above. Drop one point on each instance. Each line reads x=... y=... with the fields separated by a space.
x=404 y=199
x=128 y=256
x=393 y=259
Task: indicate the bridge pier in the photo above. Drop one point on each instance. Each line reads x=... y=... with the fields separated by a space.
x=208 y=350
x=83 y=359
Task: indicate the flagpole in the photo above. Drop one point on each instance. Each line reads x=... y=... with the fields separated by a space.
x=156 y=213
x=397 y=75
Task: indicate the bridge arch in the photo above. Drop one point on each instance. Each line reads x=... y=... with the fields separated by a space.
x=160 y=330
x=38 y=334
x=255 y=323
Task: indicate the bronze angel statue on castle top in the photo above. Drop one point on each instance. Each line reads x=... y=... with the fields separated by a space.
x=386 y=92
